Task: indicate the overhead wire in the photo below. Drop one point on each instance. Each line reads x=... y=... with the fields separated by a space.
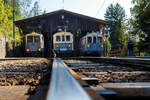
x=100 y=7
x=63 y=1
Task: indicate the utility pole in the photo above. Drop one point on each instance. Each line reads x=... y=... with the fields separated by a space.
x=13 y=27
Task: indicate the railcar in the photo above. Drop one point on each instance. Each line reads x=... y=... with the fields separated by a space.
x=92 y=44
x=63 y=43
x=34 y=44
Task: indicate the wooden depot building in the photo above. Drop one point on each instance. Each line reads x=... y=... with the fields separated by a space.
x=49 y=23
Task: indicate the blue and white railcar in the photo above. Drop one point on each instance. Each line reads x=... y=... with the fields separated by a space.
x=34 y=44
x=92 y=44
x=63 y=43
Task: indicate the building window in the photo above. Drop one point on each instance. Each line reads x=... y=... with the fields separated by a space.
x=99 y=39
x=67 y=37
x=58 y=38
x=89 y=39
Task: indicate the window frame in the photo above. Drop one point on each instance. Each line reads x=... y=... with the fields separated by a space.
x=94 y=39
x=63 y=38
x=69 y=38
x=99 y=41
x=59 y=38
x=88 y=39
x=38 y=38
x=30 y=39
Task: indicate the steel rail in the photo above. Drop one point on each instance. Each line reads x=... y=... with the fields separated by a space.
x=22 y=58
x=145 y=62
x=63 y=86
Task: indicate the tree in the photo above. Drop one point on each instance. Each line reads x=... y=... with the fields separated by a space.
x=24 y=6
x=115 y=15
x=6 y=21
x=35 y=11
x=22 y=9
x=141 y=20
x=107 y=46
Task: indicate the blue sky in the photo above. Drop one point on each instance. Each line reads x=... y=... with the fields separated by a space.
x=86 y=7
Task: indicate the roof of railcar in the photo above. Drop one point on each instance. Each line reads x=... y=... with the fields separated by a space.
x=92 y=34
x=33 y=33
x=63 y=33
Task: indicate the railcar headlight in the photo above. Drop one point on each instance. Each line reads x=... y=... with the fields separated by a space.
x=69 y=45
x=88 y=45
x=57 y=46
x=39 y=49
x=27 y=50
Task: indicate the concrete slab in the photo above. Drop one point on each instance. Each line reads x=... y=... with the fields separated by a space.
x=129 y=89
x=89 y=90
x=14 y=92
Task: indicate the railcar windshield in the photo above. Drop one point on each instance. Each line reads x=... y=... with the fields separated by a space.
x=89 y=39
x=67 y=37
x=29 y=39
x=94 y=39
x=42 y=38
x=36 y=39
x=99 y=39
x=58 y=38
x=63 y=38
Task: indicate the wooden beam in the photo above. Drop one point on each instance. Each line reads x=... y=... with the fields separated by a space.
x=101 y=28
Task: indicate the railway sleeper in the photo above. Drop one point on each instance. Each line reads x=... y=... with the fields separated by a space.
x=91 y=81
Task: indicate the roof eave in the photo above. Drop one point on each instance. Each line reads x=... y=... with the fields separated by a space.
x=62 y=10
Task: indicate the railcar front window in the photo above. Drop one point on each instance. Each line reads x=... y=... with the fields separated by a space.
x=63 y=38
x=89 y=39
x=42 y=38
x=99 y=39
x=68 y=38
x=57 y=38
x=36 y=39
x=29 y=39
x=94 y=39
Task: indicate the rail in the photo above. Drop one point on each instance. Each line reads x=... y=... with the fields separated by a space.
x=63 y=86
x=21 y=58
x=54 y=54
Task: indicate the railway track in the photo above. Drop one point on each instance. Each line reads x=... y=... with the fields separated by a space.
x=67 y=85
x=63 y=86
x=133 y=61
x=29 y=79
x=125 y=77
x=21 y=58
x=110 y=80
x=74 y=78
x=24 y=78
